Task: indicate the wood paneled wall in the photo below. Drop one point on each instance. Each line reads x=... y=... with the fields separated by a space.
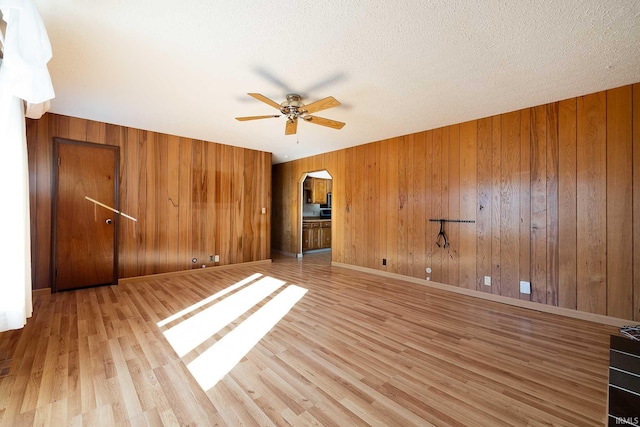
x=554 y=191
x=192 y=198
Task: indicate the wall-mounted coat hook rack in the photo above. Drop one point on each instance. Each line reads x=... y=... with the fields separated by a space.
x=441 y=240
x=442 y=236
x=452 y=220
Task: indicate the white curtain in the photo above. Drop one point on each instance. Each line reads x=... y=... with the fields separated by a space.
x=23 y=78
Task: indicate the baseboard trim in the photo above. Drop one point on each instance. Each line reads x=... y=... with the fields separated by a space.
x=315 y=251
x=192 y=271
x=567 y=312
x=39 y=292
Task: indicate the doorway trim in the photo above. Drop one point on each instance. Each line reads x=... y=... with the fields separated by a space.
x=301 y=204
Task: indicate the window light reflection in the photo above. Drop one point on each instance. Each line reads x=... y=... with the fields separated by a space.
x=214 y=363
x=193 y=331
x=209 y=299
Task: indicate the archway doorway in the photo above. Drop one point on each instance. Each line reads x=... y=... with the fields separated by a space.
x=316 y=196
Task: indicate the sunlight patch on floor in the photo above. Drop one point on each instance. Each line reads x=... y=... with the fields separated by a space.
x=209 y=299
x=214 y=363
x=193 y=331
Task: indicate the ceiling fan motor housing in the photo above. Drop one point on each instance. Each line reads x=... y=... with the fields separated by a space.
x=292 y=107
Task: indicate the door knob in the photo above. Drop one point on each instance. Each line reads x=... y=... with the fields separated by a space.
x=108 y=221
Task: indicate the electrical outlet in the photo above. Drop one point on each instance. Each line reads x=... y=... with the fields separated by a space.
x=525 y=287
x=487 y=280
x=384 y=261
x=211 y=258
x=264 y=210
x=216 y=258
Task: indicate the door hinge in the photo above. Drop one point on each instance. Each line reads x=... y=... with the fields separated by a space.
x=59 y=161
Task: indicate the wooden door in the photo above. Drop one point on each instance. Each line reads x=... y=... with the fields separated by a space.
x=85 y=234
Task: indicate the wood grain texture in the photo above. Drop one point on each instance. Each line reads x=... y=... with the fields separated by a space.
x=370 y=216
x=468 y=203
x=405 y=214
x=41 y=166
x=445 y=253
x=393 y=205
x=357 y=349
x=525 y=199
x=546 y=201
x=359 y=206
x=567 y=240
x=592 y=202
x=453 y=191
x=339 y=200
x=418 y=231
x=164 y=183
x=349 y=253
x=552 y=204
x=130 y=193
x=172 y=207
x=619 y=204
x=485 y=133
x=428 y=208
x=82 y=228
x=510 y=205
x=496 y=165
x=184 y=204
x=32 y=130
x=538 y=204
x=437 y=256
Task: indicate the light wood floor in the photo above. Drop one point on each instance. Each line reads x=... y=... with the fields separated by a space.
x=356 y=349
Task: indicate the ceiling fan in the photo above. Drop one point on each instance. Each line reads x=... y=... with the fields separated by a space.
x=294 y=109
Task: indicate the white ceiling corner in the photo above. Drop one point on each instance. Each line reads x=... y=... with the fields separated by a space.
x=397 y=67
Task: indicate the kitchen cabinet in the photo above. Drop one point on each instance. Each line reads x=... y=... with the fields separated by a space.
x=316 y=234
x=317 y=188
x=306 y=238
x=325 y=235
x=319 y=191
x=310 y=235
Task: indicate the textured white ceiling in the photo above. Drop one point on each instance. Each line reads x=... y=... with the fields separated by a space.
x=398 y=67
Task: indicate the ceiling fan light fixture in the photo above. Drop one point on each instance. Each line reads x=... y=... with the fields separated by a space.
x=292 y=107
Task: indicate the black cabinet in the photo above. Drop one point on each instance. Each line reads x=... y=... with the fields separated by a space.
x=624 y=382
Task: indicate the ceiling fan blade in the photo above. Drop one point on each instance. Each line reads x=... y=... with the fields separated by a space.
x=324 y=122
x=266 y=100
x=292 y=127
x=323 y=104
x=244 y=119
